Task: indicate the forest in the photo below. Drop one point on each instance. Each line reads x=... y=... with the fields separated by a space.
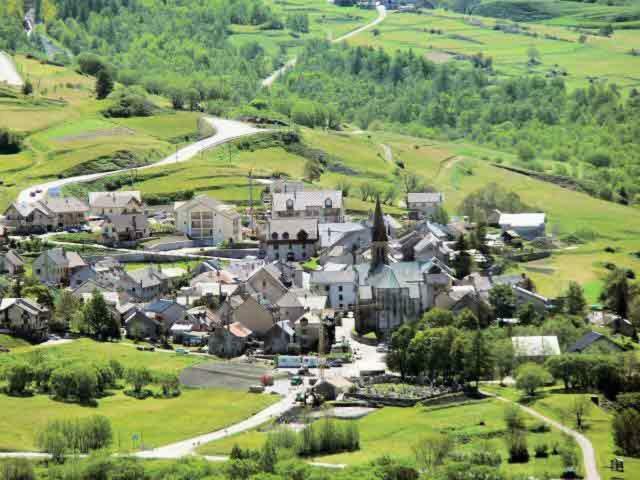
x=590 y=134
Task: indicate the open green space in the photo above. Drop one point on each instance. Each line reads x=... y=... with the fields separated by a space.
x=395 y=431
x=156 y=421
x=554 y=403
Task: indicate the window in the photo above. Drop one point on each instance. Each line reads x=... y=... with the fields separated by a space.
x=340 y=288
x=328 y=203
x=285 y=235
x=290 y=204
x=274 y=235
x=340 y=297
x=326 y=288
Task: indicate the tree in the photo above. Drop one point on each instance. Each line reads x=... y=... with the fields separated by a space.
x=531 y=377
x=528 y=315
x=502 y=300
x=462 y=262
x=66 y=308
x=104 y=84
x=533 y=55
x=615 y=293
x=431 y=451
x=575 y=303
x=579 y=408
x=438 y=317
x=27 y=88
x=138 y=377
x=479 y=358
x=399 y=357
x=99 y=320
x=505 y=358
x=312 y=170
x=19 y=376
x=17 y=469
x=516 y=435
x=526 y=152
x=626 y=431
x=41 y=294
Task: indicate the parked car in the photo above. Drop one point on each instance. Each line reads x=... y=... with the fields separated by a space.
x=382 y=348
x=335 y=363
x=296 y=380
x=182 y=351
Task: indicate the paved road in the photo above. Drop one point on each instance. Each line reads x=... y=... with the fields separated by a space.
x=588 y=453
x=226 y=130
x=188 y=447
x=382 y=13
x=8 y=72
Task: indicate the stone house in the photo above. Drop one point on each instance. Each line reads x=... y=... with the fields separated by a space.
x=166 y=312
x=24 y=317
x=45 y=215
x=290 y=240
x=423 y=204
x=56 y=266
x=280 y=338
x=125 y=229
x=229 y=341
x=245 y=309
x=147 y=284
x=265 y=284
x=11 y=263
x=326 y=206
x=139 y=325
x=206 y=220
x=115 y=203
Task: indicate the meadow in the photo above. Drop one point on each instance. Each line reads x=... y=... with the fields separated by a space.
x=395 y=431
x=553 y=403
x=156 y=422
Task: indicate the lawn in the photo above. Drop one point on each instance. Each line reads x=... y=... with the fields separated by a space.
x=186 y=265
x=394 y=431
x=156 y=421
x=553 y=403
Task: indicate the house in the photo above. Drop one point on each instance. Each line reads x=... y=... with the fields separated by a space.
x=115 y=203
x=229 y=341
x=347 y=234
x=245 y=309
x=46 y=215
x=125 y=229
x=535 y=348
x=430 y=247
x=527 y=225
x=147 y=283
x=280 y=338
x=596 y=343
x=338 y=286
x=166 y=312
x=423 y=204
x=208 y=221
x=11 y=263
x=139 y=325
x=24 y=317
x=285 y=186
x=202 y=319
x=308 y=330
x=266 y=284
x=523 y=296
x=325 y=206
x=56 y=266
x=298 y=301
x=291 y=240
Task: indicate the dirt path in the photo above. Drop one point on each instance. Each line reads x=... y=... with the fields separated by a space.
x=382 y=13
x=8 y=72
x=588 y=453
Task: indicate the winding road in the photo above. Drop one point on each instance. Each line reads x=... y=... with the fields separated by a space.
x=382 y=13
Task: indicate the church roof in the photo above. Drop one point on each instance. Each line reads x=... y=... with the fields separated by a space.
x=379 y=233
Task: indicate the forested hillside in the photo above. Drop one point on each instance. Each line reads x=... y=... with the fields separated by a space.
x=590 y=134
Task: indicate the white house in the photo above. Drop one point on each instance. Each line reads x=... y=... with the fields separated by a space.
x=339 y=286
x=115 y=203
x=56 y=266
x=527 y=225
x=208 y=220
x=324 y=205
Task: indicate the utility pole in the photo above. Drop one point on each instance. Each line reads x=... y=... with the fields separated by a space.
x=176 y=153
x=251 y=222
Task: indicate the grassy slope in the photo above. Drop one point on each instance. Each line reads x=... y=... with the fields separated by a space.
x=553 y=403
x=394 y=431
x=160 y=421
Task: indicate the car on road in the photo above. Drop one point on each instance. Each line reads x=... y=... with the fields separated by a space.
x=335 y=363
x=296 y=380
x=382 y=348
x=182 y=351
x=53 y=337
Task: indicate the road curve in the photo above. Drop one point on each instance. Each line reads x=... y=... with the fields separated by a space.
x=226 y=130
x=382 y=13
x=8 y=72
x=588 y=453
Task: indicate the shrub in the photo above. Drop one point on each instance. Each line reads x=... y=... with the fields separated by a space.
x=19 y=376
x=75 y=435
x=626 y=431
x=10 y=142
x=74 y=382
x=532 y=376
x=517 y=446
x=541 y=450
x=17 y=469
x=328 y=436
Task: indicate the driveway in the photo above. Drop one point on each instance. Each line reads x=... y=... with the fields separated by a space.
x=8 y=72
x=226 y=130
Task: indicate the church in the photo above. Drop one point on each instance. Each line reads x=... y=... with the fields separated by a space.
x=392 y=292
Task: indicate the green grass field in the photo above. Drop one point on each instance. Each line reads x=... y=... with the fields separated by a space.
x=395 y=431
x=157 y=421
x=554 y=403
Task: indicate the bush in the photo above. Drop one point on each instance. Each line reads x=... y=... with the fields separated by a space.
x=19 y=376
x=74 y=382
x=328 y=436
x=626 y=431
x=129 y=103
x=10 y=142
x=541 y=450
x=17 y=469
x=532 y=376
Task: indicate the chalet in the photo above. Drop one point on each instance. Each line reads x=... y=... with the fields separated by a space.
x=124 y=229
x=24 y=317
x=325 y=206
x=229 y=341
x=45 y=215
x=246 y=310
x=11 y=263
x=423 y=204
x=115 y=203
x=139 y=325
x=56 y=266
x=208 y=221
x=291 y=240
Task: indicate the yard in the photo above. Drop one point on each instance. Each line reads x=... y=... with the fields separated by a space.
x=554 y=402
x=394 y=431
x=155 y=421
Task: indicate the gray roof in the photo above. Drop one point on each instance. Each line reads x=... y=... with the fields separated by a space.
x=63 y=258
x=425 y=197
x=286 y=326
x=147 y=277
x=64 y=204
x=113 y=199
x=289 y=300
x=589 y=339
x=330 y=233
x=123 y=221
x=14 y=258
x=26 y=304
x=333 y=276
x=428 y=240
x=521 y=220
x=291 y=227
x=160 y=306
x=535 y=346
x=309 y=198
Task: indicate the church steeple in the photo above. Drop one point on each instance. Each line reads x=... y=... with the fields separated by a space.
x=379 y=238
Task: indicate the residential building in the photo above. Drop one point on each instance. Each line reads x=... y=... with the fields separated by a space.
x=56 y=266
x=245 y=309
x=115 y=203
x=139 y=325
x=595 y=343
x=148 y=283
x=339 y=287
x=291 y=240
x=24 y=317
x=266 y=284
x=208 y=221
x=527 y=225
x=308 y=331
x=11 y=263
x=325 y=206
x=45 y=215
x=229 y=341
x=125 y=229
x=423 y=204
x=280 y=338
x=166 y=312
x=535 y=348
